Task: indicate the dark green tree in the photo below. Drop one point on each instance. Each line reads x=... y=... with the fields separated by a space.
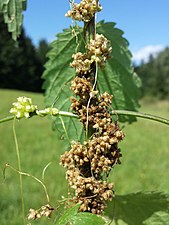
x=42 y=49
x=20 y=65
x=162 y=69
x=155 y=75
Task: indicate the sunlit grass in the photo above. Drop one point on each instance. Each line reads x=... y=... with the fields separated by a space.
x=145 y=152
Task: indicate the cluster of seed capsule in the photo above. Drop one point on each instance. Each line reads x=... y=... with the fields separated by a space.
x=97 y=51
x=89 y=191
x=86 y=163
x=89 y=163
x=84 y=11
x=45 y=211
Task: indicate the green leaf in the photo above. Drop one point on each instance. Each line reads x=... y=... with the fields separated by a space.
x=12 y=11
x=117 y=78
x=139 y=209
x=87 y=218
x=72 y=217
x=58 y=75
x=64 y=219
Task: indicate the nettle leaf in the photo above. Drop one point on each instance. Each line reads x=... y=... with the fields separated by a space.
x=70 y=212
x=116 y=78
x=58 y=75
x=148 y=208
x=12 y=11
x=73 y=217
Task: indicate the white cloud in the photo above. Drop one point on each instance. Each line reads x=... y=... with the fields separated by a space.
x=144 y=53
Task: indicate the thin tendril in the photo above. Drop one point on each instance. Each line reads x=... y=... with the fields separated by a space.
x=44 y=170
x=88 y=103
x=8 y=118
x=35 y=178
x=19 y=167
x=63 y=125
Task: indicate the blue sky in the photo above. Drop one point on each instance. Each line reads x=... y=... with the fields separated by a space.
x=145 y=22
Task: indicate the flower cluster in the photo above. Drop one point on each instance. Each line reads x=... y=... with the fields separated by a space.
x=84 y=11
x=45 y=210
x=81 y=87
x=92 y=193
x=98 y=115
x=97 y=51
x=23 y=108
x=89 y=163
x=82 y=63
x=86 y=163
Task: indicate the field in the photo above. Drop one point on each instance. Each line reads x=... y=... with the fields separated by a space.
x=144 y=163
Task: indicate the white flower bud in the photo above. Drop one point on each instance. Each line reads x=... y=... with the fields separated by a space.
x=23 y=107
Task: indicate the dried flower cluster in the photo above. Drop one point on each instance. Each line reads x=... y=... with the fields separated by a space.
x=97 y=51
x=45 y=210
x=84 y=11
x=88 y=164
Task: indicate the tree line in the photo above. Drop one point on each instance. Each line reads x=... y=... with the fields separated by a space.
x=21 y=63
x=155 y=75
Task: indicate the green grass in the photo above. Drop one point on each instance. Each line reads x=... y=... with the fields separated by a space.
x=38 y=146
x=145 y=152
x=144 y=165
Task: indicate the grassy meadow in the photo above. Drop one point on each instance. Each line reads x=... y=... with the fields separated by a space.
x=144 y=167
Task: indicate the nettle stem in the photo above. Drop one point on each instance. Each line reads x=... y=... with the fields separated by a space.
x=6 y=119
x=141 y=115
x=114 y=112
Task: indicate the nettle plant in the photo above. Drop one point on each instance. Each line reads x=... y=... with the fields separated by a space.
x=90 y=88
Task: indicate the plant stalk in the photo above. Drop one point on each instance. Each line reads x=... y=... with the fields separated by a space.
x=6 y=119
x=114 y=112
x=141 y=115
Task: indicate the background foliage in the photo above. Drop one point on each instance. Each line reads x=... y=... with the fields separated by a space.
x=155 y=75
x=21 y=63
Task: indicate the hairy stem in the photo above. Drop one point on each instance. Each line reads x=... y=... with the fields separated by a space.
x=8 y=118
x=114 y=112
x=61 y=113
x=141 y=115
